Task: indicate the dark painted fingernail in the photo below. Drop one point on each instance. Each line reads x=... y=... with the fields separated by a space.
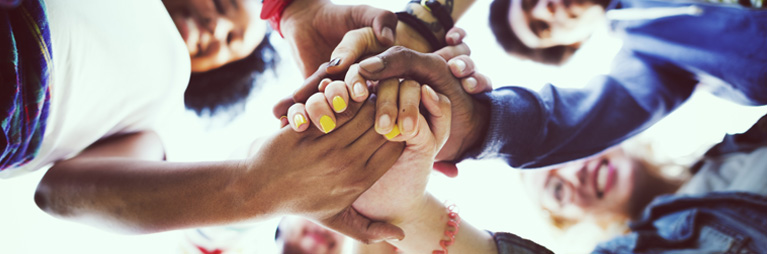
x=373 y=64
x=335 y=62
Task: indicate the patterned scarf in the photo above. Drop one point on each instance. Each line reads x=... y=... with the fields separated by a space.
x=25 y=71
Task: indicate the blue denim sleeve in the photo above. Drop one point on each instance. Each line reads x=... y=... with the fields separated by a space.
x=531 y=129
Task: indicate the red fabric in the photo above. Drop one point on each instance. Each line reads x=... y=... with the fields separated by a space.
x=272 y=10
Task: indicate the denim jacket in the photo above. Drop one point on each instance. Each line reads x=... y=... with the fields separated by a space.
x=718 y=222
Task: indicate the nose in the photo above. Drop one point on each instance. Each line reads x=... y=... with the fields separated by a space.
x=223 y=30
x=544 y=10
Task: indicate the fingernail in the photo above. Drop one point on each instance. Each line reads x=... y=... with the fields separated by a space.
x=454 y=36
x=299 y=120
x=470 y=83
x=284 y=121
x=393 y=133
x=387 y=34
x=373 y=64
x=327 y=124
x=432 y=93
x=339 y=105
x=458 y=64
x=408 y=126
x=384 y=121
x=335 y=62
x=359 y=89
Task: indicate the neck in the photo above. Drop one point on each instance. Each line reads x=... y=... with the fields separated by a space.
x=649 y=186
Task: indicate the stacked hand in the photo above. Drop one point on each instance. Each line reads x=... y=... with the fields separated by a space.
x=403 y=186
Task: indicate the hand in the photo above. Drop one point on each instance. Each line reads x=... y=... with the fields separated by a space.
x=469 y=120
x=319 y=175
x=410 y=173
x=403 y=188
x=355 y=45
x=461 y=65
x=315 y=27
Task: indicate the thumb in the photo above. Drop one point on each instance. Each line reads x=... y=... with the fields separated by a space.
x=353 y=224
x=384 y=22
x=355 y=44
x=440 y=114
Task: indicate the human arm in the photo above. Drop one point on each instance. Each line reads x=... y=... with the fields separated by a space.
x=313 y=28
x=553 y=125
x=296 y=174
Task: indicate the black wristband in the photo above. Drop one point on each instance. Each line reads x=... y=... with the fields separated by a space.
x=440 y=12
x=421 y=28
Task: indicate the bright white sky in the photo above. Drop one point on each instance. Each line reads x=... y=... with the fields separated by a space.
x=488 y=193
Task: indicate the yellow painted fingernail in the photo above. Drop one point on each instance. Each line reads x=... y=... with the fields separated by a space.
x=394 y=132
x=327 y=124
x=299 y=120
x=339 y=104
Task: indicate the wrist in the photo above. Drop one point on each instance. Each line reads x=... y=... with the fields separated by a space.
x=478 y=131
x=410 y=38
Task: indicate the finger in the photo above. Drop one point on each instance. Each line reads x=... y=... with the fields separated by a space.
x=355 y=44
x=323 y=84
x=384 y=22
x=461 y=66
x=409 y=101
x=353 y=224
x=320 y=113
x=353 y=124
x=311 y=84
x=439 y=115
x=386 y=106
x=425 y=68
x=362 y=145
x=477 y=83
x=449 y=52
x=281 y=108
x=447 y=168
x=337 y=96
x=483 y=83
x=284 y=121
x=356 y=84
x=297 y=117
x=455 y=36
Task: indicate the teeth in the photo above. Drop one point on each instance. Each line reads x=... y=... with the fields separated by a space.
x=602 y=178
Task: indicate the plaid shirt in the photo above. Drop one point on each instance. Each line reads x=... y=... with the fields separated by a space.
x=25 y=71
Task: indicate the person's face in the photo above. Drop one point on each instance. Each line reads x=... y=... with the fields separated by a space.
x=302 y=236
x=600 y=186
x=548 y=23
x=217 y=32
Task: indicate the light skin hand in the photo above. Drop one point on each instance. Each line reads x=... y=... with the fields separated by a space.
x=314 y=28
x=469 y=116
x=356 y=44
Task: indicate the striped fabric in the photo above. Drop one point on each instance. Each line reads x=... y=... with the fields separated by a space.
x=25 y=71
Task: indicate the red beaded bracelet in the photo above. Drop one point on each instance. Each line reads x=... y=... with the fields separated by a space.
x=453 y=223
x=272 y=10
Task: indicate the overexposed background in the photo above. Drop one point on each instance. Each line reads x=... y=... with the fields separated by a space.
x=488 y=192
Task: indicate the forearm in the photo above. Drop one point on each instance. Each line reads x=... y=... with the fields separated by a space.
x=149 y=196
x=425 y=226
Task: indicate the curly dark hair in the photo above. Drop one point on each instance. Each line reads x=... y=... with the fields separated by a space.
x=499 y=24
x=226 y=89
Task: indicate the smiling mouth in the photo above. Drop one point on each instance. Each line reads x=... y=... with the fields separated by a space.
x=603 y=172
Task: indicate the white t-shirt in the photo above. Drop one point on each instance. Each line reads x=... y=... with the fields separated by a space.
x=118 y=67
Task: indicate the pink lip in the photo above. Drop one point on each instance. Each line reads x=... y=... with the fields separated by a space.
x=610 y=179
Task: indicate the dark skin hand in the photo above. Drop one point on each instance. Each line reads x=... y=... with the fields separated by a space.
x=122 y=183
